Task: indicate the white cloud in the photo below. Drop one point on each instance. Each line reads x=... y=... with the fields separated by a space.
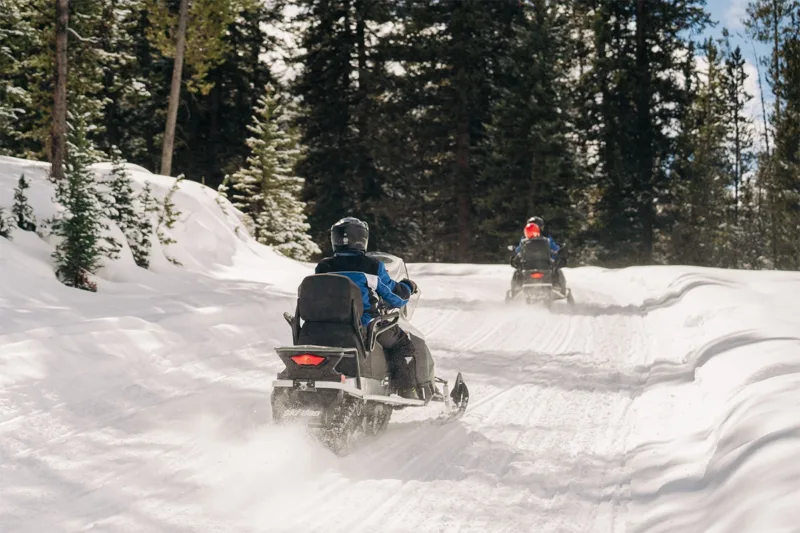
x=736 y=12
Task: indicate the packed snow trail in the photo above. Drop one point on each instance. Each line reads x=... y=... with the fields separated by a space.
x=664 y=401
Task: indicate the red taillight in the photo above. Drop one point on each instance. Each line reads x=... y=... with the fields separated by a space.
x=307 y=359
x=537 y=275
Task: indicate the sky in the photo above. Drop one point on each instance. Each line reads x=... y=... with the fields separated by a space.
x=729 y=14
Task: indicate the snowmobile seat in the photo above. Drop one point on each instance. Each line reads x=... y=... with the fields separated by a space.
x=330 y=308
x=535 y=254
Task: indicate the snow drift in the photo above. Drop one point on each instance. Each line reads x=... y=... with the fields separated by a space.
x=665 y=400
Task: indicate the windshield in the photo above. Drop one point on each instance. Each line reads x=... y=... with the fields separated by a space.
x=397 y=270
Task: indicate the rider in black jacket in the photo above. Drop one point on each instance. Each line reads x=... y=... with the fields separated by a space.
x=349 y=238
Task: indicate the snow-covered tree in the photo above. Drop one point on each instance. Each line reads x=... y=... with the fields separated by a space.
x=167 y=218
x=22 y=211
x=78 y=254
x=15 y=37
x=134 y=223
x=141 y=244
x=224 y=187
x=5 y=228
x=121 y=190
x=267 y=189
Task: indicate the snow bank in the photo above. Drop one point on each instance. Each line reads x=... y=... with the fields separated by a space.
x=107 y=398
x=210 y=235
x=716 y=443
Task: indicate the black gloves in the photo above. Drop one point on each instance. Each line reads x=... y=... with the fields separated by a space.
x=410 y=284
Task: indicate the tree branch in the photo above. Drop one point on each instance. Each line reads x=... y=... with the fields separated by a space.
x=90 y=40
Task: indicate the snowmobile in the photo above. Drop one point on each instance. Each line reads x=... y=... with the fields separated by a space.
x=336 y=375
x=537 y=271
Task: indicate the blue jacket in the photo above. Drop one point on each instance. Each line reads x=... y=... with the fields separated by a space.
x=371 y=277
x=554 y=248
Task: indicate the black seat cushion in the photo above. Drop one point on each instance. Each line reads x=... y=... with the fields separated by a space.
x=329 y=298
x=535 y=254
x=334 y=334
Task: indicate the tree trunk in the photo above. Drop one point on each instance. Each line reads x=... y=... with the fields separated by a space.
x=362 y=105
x=175 y=91
x=776 y=54
x=738 y=165
x=644 y=178
x=58 y=131
x=214 y=129
x=112 y=121
x=763 y=104
x=463 y=186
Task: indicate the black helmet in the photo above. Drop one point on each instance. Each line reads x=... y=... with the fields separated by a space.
x=350 y=235
x=539 y=221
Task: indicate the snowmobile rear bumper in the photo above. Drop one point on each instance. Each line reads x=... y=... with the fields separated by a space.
x=348 y=387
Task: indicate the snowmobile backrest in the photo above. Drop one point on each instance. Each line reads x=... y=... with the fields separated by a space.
x=329 y=298
x=536 y=250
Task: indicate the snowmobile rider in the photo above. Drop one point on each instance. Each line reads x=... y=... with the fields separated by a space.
x=349 y=238
x=534 y=229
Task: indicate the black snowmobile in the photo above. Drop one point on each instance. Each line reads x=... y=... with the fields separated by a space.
x=536 y=274
x=336 y=378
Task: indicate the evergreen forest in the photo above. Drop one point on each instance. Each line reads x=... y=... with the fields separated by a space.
x=445 y=124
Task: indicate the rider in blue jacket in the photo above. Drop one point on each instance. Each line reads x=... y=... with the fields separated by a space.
x=536 y=232
x=533 y=230
x=349 y=238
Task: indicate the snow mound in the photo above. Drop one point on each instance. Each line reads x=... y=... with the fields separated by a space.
x=107 y=399
x=210 y=234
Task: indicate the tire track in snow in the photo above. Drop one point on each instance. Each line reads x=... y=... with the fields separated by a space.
x=525 y=412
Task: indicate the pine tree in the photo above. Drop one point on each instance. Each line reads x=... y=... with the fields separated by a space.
x=23 y=212
x=140 y=241
x=450 y=52
x=701 y=234
x=5 y=227
x=125 y=87
x=194 y=38
x=78 y=254
x=267 y=189
x=16 y=35
x=777 y=24
x=531 y=167
x=744 y=218
x=635 y=99
x=785 y=165
x=340 y=81
x=215 y=132
x=121 y=190
x=167 y=218
x=740 y=135
x=224 y=187
x=750 y=241
x=123 y=209
x=85 y=58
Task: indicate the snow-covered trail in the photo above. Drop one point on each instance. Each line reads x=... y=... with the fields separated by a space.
x=595 y=418
x=541 y=447
x=664 y=401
